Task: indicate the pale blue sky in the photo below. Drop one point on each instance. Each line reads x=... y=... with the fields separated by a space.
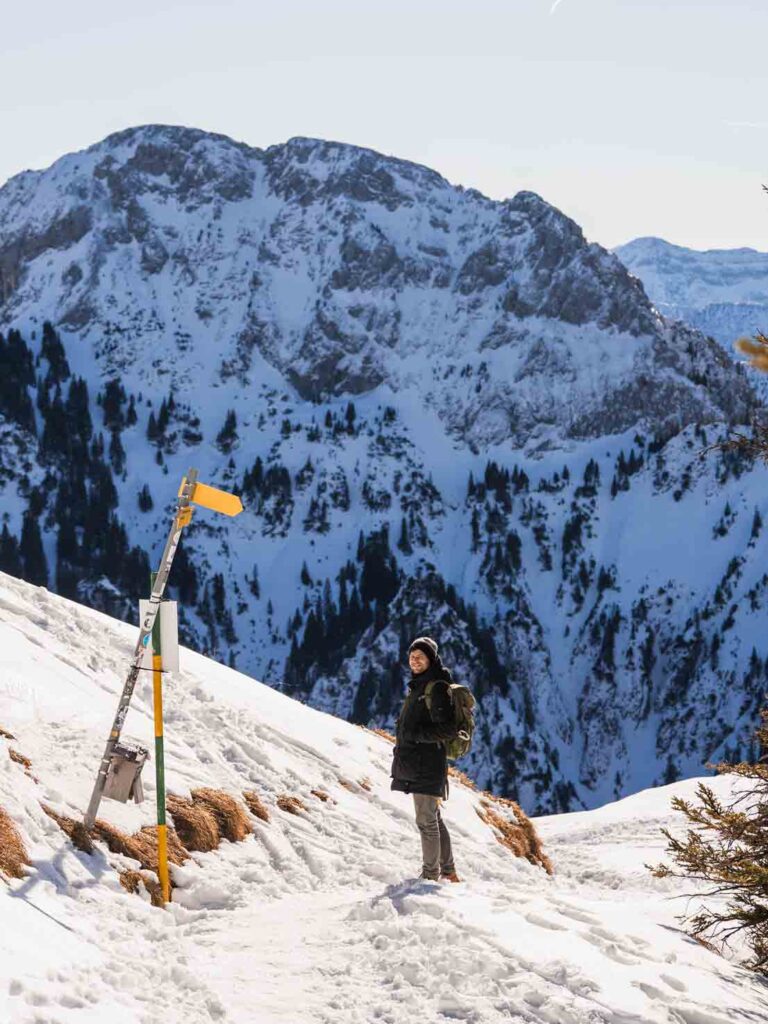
x=635 y=117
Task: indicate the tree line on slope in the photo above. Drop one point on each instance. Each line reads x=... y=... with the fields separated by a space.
x=73 y=493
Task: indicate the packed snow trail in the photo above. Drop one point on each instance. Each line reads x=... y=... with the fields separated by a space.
x=315 y=918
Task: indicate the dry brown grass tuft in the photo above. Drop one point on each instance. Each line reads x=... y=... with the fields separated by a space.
x=195 y=824
x=132 y=881
x=255 y=805
x=461 y=778
x=73 y=828
x=20 y=759
x=322 y=795
x=230 y=817
x=13 y=854
x=6 y=735
x=383 y=733
x=24 y=762
x=366 y=784
x=348 y=785
x=519 y=835
x=197 y=828
x=141 y=846
x=291 y=804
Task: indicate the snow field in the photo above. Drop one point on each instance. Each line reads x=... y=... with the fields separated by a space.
x=316 y=917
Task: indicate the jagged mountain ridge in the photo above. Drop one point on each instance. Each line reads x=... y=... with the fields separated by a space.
x=343 y=270
x=277 y=285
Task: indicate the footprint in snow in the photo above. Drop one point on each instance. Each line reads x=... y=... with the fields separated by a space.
x=610 y=948
x=675 y=983
x=576 y=915
x=544 y=922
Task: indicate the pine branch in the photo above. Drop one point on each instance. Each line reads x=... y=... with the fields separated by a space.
x=726 y=849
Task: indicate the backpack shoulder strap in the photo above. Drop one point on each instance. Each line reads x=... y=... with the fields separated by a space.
x=429 y=688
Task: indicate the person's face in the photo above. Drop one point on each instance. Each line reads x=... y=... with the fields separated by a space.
x=418 y=661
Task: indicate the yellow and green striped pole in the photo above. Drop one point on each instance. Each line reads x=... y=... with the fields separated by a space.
x=157 y=685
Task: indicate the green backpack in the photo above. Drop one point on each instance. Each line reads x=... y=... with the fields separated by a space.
x=463 y=703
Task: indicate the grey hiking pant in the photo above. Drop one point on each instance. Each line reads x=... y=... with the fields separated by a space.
x=436 y=853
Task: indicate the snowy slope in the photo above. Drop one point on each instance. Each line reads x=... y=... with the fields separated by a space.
x=722 y=292
x=312 y=918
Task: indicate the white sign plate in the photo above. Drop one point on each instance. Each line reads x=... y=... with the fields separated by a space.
x=169 y=632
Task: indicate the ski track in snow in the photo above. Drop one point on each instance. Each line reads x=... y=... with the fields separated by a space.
x=313 y=919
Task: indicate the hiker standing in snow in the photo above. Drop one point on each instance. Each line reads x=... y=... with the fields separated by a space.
x=419 y=764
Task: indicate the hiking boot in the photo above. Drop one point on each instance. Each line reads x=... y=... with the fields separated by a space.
x=423 y=877
x=449 y=876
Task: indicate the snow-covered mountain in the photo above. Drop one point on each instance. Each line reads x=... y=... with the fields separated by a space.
x=311 y=918
x=722 y=292
x=172 y=253
x=445 y=414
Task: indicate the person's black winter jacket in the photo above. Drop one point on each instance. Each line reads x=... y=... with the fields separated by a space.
x=419 y=763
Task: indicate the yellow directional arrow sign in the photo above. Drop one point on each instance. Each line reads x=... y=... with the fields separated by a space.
x=214 y=499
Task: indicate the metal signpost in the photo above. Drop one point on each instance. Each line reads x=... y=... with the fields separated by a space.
x=190 y=493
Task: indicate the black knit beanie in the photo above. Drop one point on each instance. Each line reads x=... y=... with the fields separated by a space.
x=427 y=646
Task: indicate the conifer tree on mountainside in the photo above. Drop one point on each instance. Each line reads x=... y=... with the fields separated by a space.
x=31 y=551
x=79 y=498
x=16 y=376
x=227 y=436
x=10 y=558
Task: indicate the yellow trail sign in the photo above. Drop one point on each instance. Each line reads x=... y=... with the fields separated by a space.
x=216 y=500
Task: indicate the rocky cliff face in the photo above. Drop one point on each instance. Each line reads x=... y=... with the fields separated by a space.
x=444 y=414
